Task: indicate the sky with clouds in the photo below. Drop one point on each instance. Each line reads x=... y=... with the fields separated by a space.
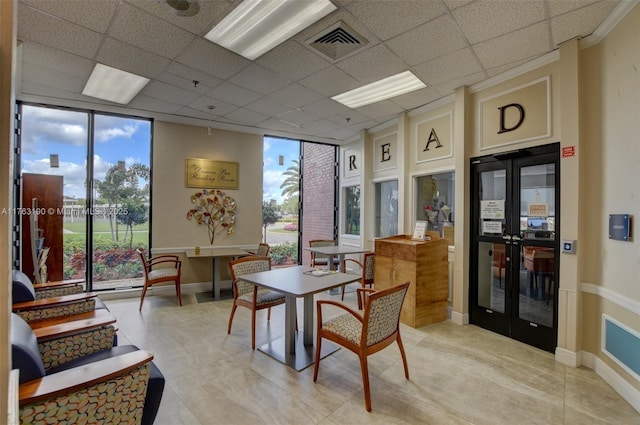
x=48 y=131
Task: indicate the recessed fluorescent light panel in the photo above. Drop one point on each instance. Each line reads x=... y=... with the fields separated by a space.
x=381 y=90
x=256 y=26
x=113 y=84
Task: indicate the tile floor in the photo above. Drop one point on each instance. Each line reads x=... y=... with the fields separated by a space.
x=458 y=374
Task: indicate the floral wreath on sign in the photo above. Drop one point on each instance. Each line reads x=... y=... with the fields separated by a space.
x=214 y=209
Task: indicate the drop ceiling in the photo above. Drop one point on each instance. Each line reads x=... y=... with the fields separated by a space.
x=287 y=91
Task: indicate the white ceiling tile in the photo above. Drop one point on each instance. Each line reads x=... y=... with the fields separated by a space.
x=212 y=59
x=325 y=108
x=183 y=76
x=376 y=110
x=322 y=125
x=450 y=86
x=292 y=60
x=38 y=89
x=372 y=64
x=349 y=118
x=296 y=116
x=483 y=20
x=330 y=81
x=48 y=30
x=259 y=79
x=386 y=19
x=529 y=42
x=234 y=94
x=147 y=103
x=268 y=106
x=60 y=80
x=200 y=108
x=131 y=59
x=91 y=14
x=581 y=22
x=428 y=41
x=416 y=98
x=295 y=95
x=559 y=7
x=454 y=65
x=454 y=4
x=201 y=23
x=56 y=60
x=159 y=90
x=246 y=116
x=133 y=26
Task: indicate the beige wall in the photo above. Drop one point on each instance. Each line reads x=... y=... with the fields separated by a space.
x=7 y=99
x=171 y=231
x=610 y=129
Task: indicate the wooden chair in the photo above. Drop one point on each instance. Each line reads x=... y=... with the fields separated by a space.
x=321 y=260
x=263 y=250
x=248 y=295
x=366 y=268
x=61 y=377
x=367 y=333
x=162 y=274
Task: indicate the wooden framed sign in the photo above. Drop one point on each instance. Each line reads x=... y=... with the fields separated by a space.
x=209 y=174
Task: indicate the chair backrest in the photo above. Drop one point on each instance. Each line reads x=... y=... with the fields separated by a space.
x=369 y=267
x=247 y=265
x=382 y=313
x=263 y=250
x=22 y=288
x=25 y=353
x=145 y=265
x=318 y=243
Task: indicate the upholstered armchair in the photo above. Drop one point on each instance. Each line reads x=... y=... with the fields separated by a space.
x=30 y=301
x=263 y=250
x=367 y=333
x=107 y=386
x=24 y=292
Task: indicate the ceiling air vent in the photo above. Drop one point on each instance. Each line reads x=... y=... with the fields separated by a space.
x=337 y=41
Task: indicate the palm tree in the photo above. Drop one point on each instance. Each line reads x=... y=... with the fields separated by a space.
x=291 y=185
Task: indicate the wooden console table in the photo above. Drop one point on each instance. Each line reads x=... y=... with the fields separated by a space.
x=422 y=263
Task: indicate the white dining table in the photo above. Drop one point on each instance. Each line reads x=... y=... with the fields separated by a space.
x=297 y=349
x=217 y=254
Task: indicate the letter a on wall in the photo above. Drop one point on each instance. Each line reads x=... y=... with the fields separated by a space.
x=432 y=137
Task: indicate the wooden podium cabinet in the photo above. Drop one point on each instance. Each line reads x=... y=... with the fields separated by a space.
x=425 y=265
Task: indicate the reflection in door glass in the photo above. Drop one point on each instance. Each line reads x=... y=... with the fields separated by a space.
x=491 y=276
x=537 y=202
x=537 y=280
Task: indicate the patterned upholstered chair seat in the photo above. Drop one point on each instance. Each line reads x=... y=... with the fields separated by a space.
x=248 y=295
x=366 y=269
x=367 y=333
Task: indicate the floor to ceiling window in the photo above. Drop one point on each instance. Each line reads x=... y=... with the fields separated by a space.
x=104 y=202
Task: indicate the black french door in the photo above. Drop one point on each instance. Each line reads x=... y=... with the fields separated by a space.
x=515 y=199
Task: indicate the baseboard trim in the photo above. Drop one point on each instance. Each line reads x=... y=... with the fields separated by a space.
x=617 y=382
x=568 y=358
x=459 y=318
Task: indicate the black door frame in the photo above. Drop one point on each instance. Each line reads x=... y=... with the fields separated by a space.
x=509 y=323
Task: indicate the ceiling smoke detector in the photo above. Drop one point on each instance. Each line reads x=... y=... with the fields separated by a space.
x=337 y=41
x=182 y=7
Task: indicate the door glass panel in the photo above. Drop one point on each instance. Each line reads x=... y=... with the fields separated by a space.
x=491 y=276
x=493 y=191
x=537 y=202
x=536 y=287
